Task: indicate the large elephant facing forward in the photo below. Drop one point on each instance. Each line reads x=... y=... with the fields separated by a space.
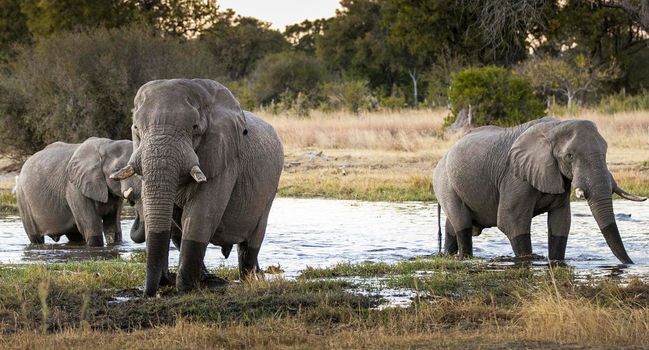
x=65 y=189
x=503 y=177
x=206 y=163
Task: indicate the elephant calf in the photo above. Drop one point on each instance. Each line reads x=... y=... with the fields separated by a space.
x=505 y=176
x=65 y=189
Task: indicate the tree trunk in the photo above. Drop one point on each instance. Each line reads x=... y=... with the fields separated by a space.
x=413 y=76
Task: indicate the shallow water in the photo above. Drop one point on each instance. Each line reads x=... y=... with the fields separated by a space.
x=318 y=232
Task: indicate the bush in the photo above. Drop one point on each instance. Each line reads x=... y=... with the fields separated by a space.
x=71 y=86
x=288 y=73
x=496 y=97
x=395 y=101
x=621 y=102
x=352 y=95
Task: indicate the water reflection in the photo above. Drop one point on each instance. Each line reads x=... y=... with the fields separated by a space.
x=318 y=232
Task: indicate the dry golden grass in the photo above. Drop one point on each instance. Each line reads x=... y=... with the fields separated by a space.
x=407 y=131
x=581 y=321
x=391 y=156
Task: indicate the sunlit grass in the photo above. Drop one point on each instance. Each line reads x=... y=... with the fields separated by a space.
x=459 y=304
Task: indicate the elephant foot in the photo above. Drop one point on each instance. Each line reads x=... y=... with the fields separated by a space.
x=521 y=245
x=213 y=282
x=557 y=247
x=95 y=241
x=168 y=279
x=465 y=243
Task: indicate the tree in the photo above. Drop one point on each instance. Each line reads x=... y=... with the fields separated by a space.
x=238 y=43
x=186 y=18
x=637 y=10
x=74 y=85
x=285 y=74
x=303 y=35
x=45 y=17
x=572 y=79
x=494 y=96
x=354 y=44
x=13 y=28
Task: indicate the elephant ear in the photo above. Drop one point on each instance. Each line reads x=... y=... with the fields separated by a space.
x=532 y=159
x=85 y=171
x=226 y=126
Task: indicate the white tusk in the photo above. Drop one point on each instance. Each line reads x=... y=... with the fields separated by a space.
x=579 y=193
x=197 y=174
x=123 y=173
x=128 y=192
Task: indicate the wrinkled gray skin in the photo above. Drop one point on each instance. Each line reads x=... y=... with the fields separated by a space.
x=211 y=166
x=503 y=177
x=65 y=189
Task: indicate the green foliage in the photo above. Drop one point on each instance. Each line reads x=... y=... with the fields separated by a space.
x=621 y=102
x=303 y=35
x=76 y=85
x=395 y=101
x=352 y=95
x=285 y=74
x=45 y=17
x=495 y=95
x=239 y=43
x=13 y=27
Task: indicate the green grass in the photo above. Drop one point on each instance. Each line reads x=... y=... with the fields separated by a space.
x=8 y=203
x=458 y=304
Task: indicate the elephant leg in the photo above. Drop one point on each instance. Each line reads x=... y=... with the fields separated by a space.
x=248 y=264
x=87 y=219
x=521 y=245
x=249 y=251
x=112 y=226
x=74 y=237
x=177 y=235
x=515 y=218
x=558 y=230
x=465 y=243
x=35 y=237
x=200 y=218
x=450 y=241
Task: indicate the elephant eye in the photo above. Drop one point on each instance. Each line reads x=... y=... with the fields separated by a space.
x=569 y=156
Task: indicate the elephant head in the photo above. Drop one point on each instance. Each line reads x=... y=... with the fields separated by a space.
x=184 y=132
x=90 y=167
x=555 y=155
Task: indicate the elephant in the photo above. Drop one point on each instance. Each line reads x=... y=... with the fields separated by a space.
x=502 y=177
x=208 y=165
x=65 y=189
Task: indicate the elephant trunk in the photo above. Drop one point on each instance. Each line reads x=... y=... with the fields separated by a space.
x=137 y=230
x=161 y=162
x=602 y=209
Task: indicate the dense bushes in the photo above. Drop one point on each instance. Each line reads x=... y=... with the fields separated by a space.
x=621 y=102
x=284 y=75
x=495 y=95
x=76 y=85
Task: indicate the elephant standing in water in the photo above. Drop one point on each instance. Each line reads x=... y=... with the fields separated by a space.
x=65 y=189
x=503 y=177
x=207 y=164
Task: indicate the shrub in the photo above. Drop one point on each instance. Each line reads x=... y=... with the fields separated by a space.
x=286 y=73
x=352 y=95
x=71 y=86
x=395 y=101
x=496 y=96
x=621 y=102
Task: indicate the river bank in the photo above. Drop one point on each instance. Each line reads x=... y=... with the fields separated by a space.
x=455 y=305
x=390 y=156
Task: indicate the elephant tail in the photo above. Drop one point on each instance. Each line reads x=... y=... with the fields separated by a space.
x=439 y=229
